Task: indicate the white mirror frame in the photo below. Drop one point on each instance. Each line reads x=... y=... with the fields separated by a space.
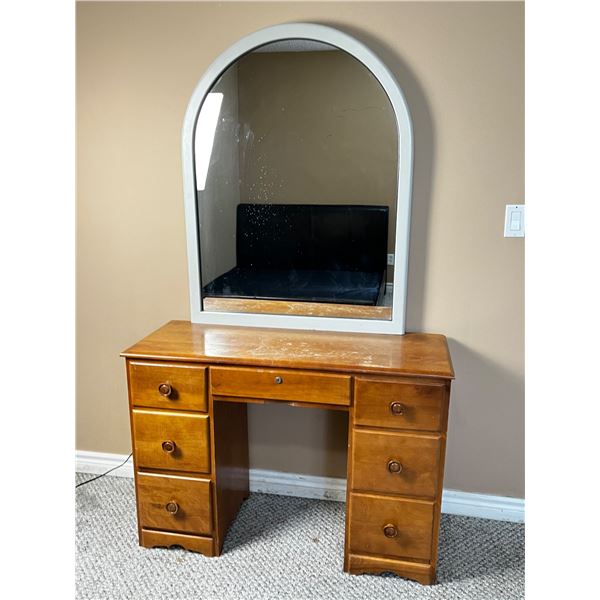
x=328 y=35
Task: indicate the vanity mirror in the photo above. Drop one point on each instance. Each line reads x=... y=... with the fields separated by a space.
x=297 y=155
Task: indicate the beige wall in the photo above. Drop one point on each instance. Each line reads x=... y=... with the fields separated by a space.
x=461 y=68
x=323 y=129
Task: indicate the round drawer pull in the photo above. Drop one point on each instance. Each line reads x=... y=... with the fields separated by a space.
x=390 y=530
x=394 y=466
x=168 y=446
x=172 y=507
x=278 y=379
x=397 y=408
x=165 y=389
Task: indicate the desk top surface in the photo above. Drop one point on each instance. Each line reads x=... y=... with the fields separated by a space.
x=419 y=354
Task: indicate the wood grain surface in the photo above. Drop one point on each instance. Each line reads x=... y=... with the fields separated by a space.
x=281 y=384
x=188 y=431
x=420 y=354
x=192 y=497
x=150 y=538
x=187 y=385
x=422 y=404
x=421 y=572
x=413 y=520
x=417 y=455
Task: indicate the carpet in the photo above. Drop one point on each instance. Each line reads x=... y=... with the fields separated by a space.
x=278 y=548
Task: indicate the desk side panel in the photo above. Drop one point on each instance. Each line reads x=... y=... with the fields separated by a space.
x=230 y=463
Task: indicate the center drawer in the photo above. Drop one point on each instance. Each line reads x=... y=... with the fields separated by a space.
x=281 y=384
x=171 y=440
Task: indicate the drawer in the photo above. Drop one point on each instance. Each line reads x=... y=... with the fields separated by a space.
x=391 y=526
x=174 y=503
x=400 y=404
x=171 y=440
x=395 y=463
x=278 y=384
x=167 y=385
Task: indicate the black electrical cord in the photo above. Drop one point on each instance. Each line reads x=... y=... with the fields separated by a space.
x=103 y=474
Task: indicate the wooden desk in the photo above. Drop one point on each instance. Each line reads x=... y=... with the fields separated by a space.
x=188 y=389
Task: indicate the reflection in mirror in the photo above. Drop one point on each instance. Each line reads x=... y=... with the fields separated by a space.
x=296 y=152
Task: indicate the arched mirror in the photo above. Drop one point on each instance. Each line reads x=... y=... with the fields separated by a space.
x=297 y=162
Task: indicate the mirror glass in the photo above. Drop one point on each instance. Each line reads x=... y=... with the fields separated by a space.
x=296 y=157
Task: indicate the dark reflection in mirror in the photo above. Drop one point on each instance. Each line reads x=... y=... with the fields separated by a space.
x=296 y=154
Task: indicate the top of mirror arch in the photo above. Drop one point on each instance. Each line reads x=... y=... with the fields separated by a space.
x=303 y=37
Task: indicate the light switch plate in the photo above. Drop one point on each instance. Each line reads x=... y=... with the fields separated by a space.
x=390 y=259
x=514 y=220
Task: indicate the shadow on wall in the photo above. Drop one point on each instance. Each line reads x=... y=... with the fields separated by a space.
x=485 y=398
x=423 y=168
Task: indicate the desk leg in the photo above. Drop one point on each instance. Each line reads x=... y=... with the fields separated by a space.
x=348 y=490
x=230 y=464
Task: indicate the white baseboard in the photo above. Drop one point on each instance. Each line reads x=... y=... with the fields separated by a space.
x=296 y=484
x=454 y=502
x=484 y=506
x=100 y=462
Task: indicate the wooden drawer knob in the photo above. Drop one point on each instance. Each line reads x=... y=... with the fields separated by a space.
x=165 y=389
x=394 y=466
x=172 y=507
x=390 y=531
x=168 y=446
x=278 y=379
x=397 y=408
